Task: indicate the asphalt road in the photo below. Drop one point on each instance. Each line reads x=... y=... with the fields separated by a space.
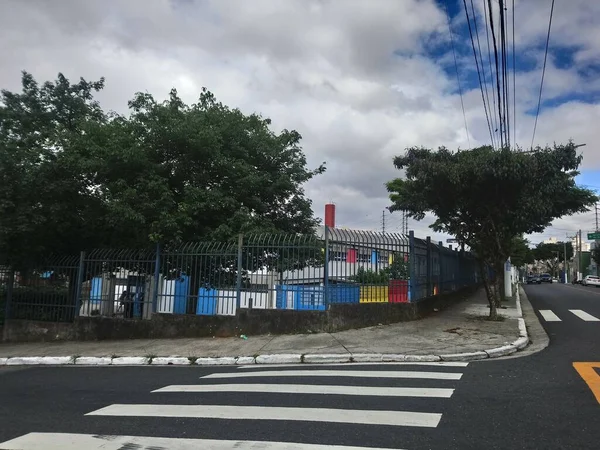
x=533 y=402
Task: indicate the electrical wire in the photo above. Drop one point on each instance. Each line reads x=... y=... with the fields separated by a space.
x=462 y=104
x=543 y=73
x=503 y=23
x=481 y=59
x=479 y=74
x=491 y=16
x=503 y=68
x=514 y=60
x=487 y=33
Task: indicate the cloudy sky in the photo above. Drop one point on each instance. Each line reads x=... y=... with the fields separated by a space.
x=360 y=80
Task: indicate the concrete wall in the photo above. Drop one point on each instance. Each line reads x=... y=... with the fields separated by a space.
x=246 y=321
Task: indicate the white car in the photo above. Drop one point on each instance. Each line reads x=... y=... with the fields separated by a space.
x=591 y=280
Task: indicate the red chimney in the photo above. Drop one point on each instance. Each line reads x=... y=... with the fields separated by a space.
x=330 y=215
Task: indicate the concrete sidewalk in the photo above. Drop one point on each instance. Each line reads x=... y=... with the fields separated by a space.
x=456 y=333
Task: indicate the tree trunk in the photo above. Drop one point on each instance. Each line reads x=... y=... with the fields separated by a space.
x=499 y=282
x=489 y=290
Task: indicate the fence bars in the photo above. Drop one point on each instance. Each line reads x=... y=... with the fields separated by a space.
x=261 y=271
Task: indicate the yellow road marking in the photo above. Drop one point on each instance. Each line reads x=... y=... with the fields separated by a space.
x=587 y=371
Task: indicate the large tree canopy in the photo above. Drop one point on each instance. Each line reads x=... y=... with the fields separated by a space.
x=545 y=251
x=73 y=176
x=486 y=197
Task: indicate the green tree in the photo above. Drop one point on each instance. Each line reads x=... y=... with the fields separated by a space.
x=595 y=254
x=520 y=252
x=398 y=270
x=74 y=177
x=46 y=202
x=199 y=171
x=486 y=197
x=547 y=251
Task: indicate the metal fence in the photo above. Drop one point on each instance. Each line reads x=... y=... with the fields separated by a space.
x=268 y=271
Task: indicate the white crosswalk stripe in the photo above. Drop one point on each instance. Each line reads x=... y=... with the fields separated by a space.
x=584 y=316
x=367 y=386
x=69 y=441
x=313 y=389
x=394 y=418
x=403 y=363
x=340 y=373
x=550 y=316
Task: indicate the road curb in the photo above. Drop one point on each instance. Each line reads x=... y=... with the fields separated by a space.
x=312 y=358
x=327 y=359
x=170 y=361
x=278 y=359
x=474 y=356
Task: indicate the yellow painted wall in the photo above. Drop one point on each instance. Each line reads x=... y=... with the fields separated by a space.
x=374 y=294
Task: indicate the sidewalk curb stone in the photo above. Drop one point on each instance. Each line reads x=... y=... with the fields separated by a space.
x=521 y=342
x=501 y=351
x=93 y=360
x=218 y=361
x=474 y=356
x=130 y=361
x=279 y=359
x=170 y=361
x=367 y=357
x=245 y=360
x=324 y=358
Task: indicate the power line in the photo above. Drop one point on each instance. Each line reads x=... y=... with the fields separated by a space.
x=543 y=73
x=514 y=58
x=487 y=33
x=503 y=26
x=491 y=14
x=462 y=104
x=478 y=73
x=481 y=58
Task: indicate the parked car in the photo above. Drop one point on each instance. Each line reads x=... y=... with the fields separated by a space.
x=591 y=280
x=534 y=279
x=546 y=278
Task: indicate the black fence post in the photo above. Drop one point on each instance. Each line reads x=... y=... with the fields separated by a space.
x=429 y=271
x=156 y=278
x=412 y=261
x=441 y=281
x=326 y=270
x=9 y=295
x=80 y=271
x=238 y=280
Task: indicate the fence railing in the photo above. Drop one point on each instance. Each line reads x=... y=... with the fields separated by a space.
x=268 y=271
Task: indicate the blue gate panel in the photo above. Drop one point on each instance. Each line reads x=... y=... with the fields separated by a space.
x=96 y=291
x=310 y=298
x=344 y=293
x=207 y=302
x=182 y=288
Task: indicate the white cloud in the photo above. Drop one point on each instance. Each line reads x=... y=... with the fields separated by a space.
x=352 y=76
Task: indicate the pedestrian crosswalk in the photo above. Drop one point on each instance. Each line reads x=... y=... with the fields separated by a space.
x=400 y=396
x=549 y=316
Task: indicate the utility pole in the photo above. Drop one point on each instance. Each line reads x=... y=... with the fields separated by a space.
x=383 y=221
x=565 y=268
x=596 y=240
x=580 y=265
